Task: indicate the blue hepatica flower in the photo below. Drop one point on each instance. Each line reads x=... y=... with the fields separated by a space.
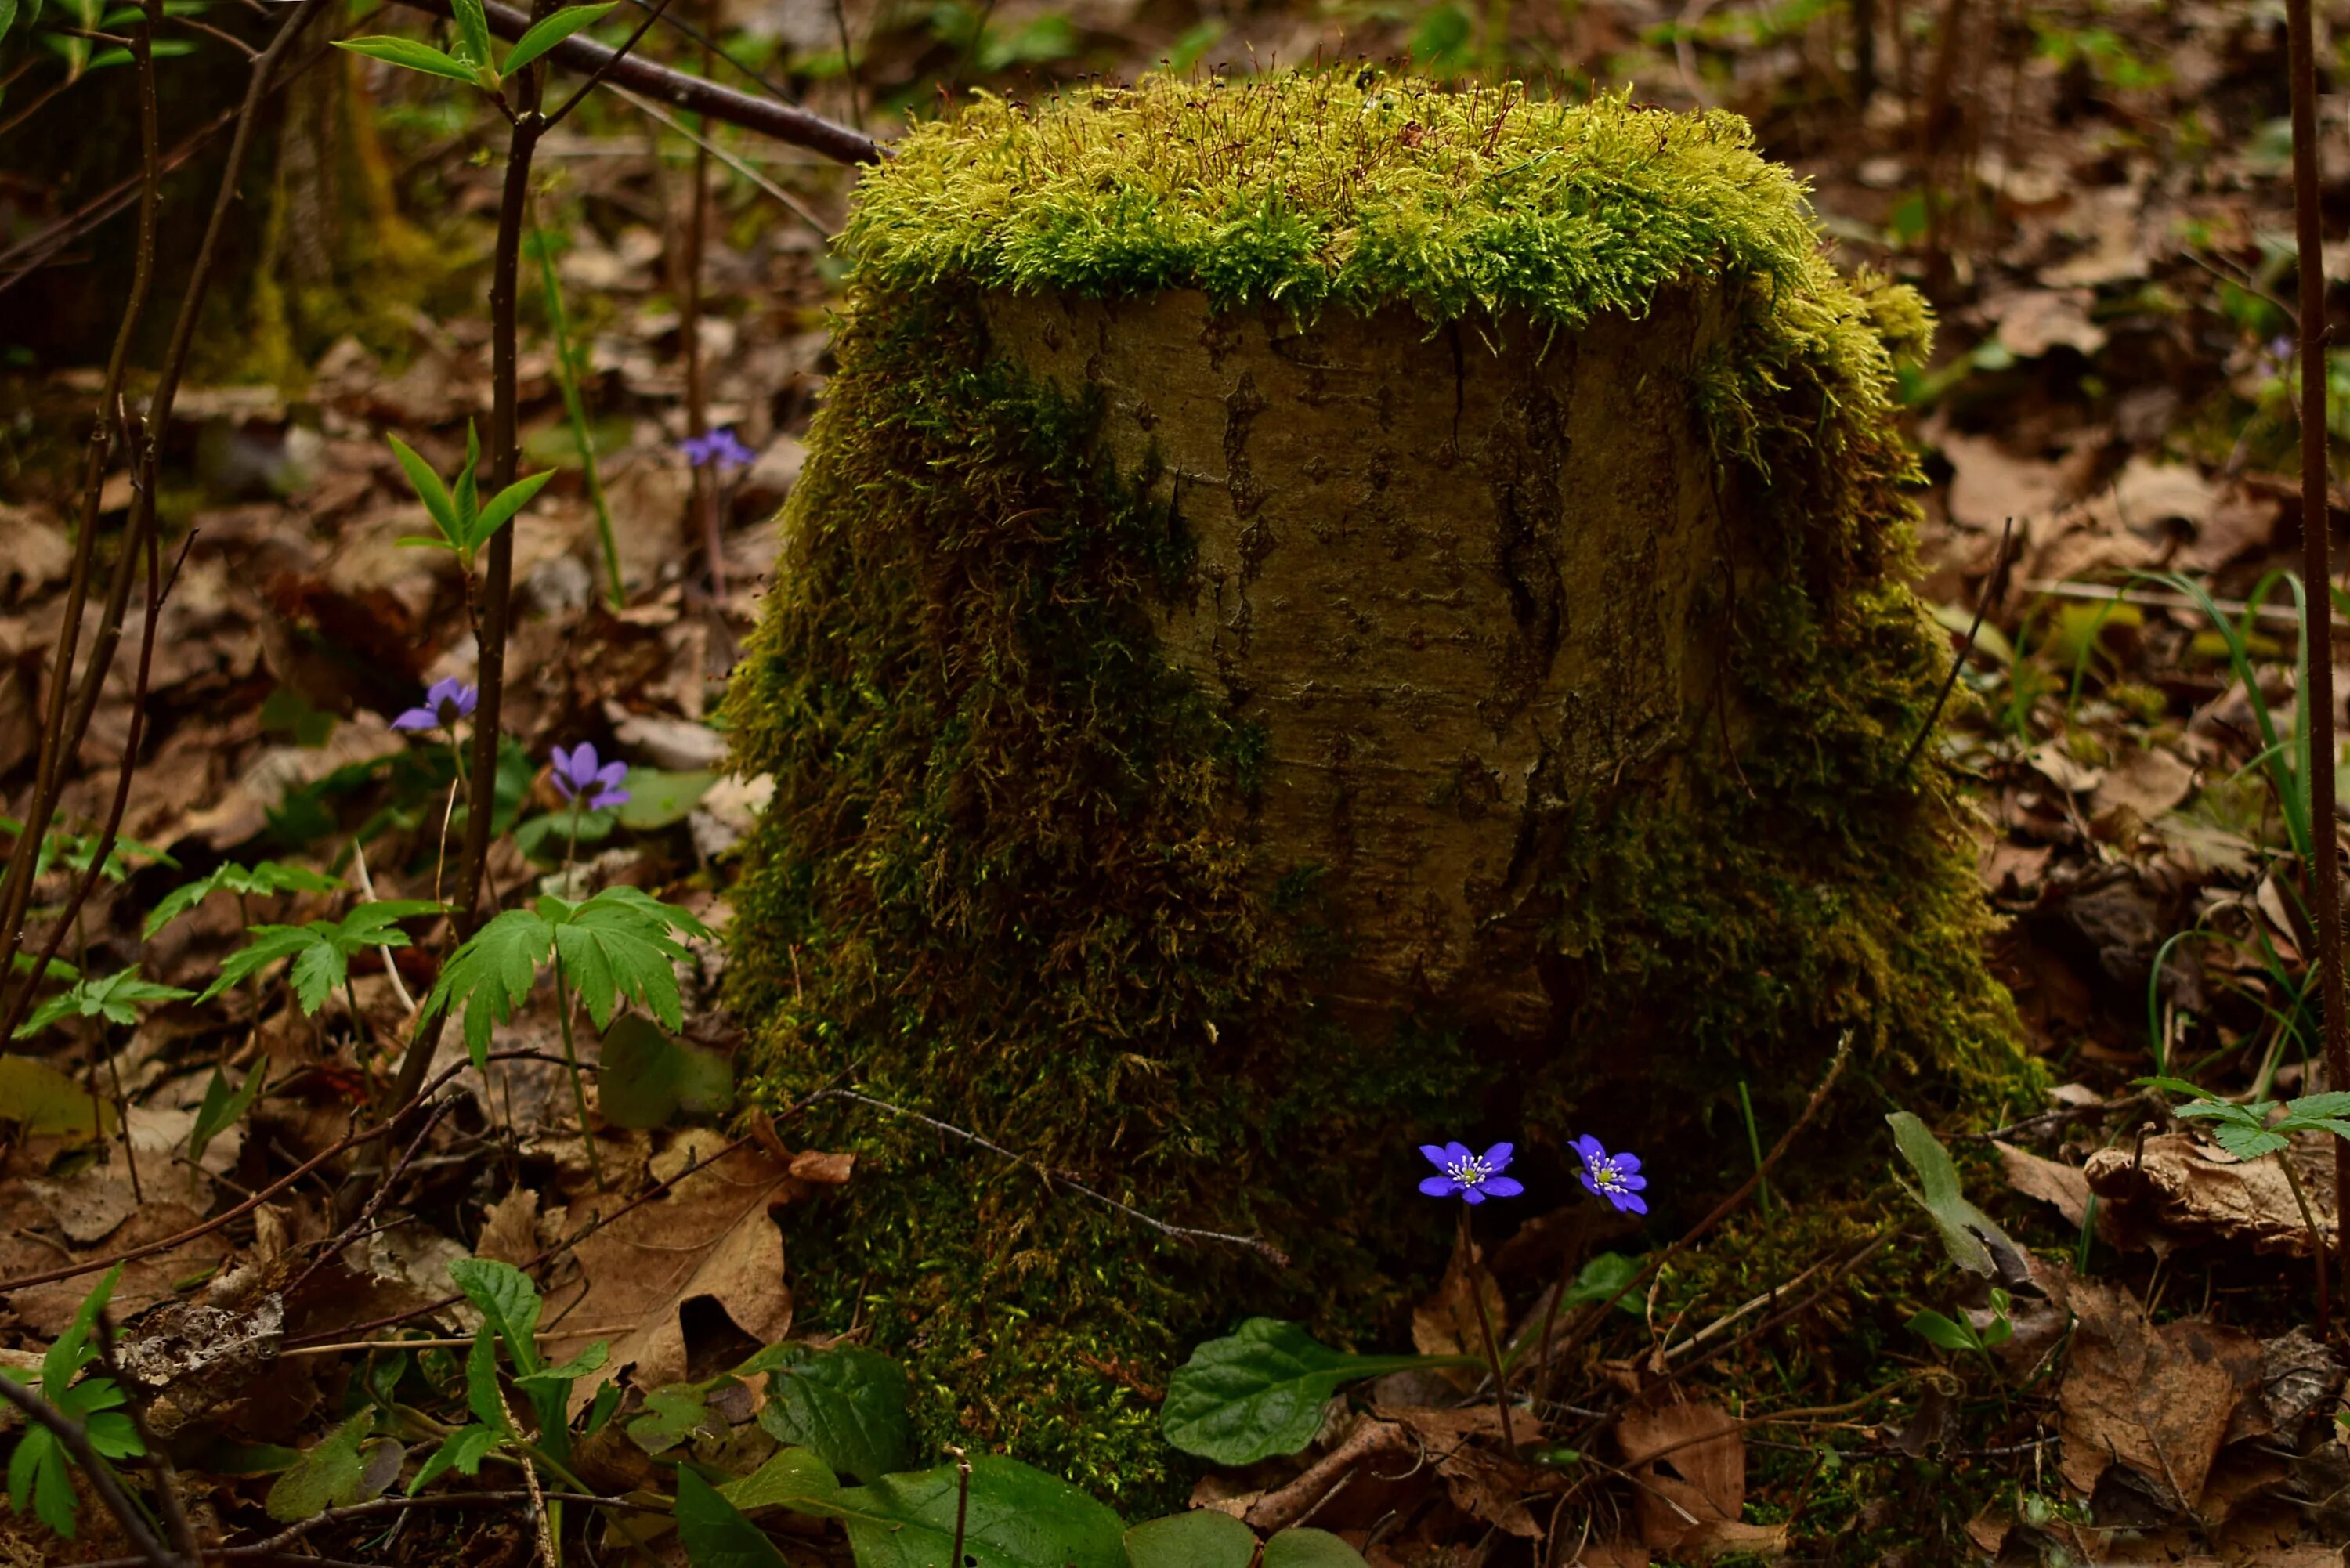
x=577 y=776
x=1475 y=1176
x=1615 y=1177
x=723 y=448
x=446 y=701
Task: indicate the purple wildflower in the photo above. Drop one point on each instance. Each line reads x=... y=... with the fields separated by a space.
x=723 y=448
x=1475 y=1176
x=577 y=776
x=1615 y=1177
x=446 y=701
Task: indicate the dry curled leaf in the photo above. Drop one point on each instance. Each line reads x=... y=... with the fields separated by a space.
x=1690 y=1463
x=710 y=1236
x=2155 y=1398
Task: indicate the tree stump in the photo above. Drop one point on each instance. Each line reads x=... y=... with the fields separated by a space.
x=1324 y=614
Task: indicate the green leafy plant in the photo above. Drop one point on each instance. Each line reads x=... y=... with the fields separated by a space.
x=510 y=1306
x=74 y=851
x=466 y=523
x=473 y=61
x=2262 y=1129
x=1972 y=1238
x=321 y=950
x=1958 y=1334
x=646 y=1077
x=267 y=879
x=615 y=946
x=1262 y=1390
x=222 y=1109
x=112 y=998
x=37 y=1470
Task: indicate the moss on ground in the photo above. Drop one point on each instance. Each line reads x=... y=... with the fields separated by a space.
x=1000 y=882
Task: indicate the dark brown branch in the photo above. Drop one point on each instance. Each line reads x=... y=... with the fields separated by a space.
x=783 y=122
x=2317 y=585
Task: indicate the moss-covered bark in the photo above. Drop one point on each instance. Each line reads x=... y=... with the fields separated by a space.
x=1322 y=615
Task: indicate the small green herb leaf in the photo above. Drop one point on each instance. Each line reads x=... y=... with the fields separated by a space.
x=1261 y=1391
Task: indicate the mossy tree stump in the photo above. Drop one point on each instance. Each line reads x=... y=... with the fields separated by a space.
x=1322 y=615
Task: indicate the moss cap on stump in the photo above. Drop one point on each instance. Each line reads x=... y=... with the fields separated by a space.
x=1323 y=614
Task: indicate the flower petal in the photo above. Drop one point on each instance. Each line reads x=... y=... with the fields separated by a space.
x=1456 y=1151
x=1497 y=1157
x=609 y=799
x=1589 y=1148
x=1437 y=1186
x=1628 y=1203
x=1501 y=1186
x=1634 y=1183
x=416 y=719
x=612 y=773
x=1436 y=1155
x=1470 y=1194
x=1628 y=1163
x=1589 y=1185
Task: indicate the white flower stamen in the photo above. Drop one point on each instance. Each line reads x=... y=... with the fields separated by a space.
x=1468 y=1170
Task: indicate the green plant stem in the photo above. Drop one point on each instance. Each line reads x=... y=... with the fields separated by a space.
x=566 y=376
x=1754 y=1147
x=2317 y=1238
x=2317 y=575
x=1485 y=1325
x=563 y=1013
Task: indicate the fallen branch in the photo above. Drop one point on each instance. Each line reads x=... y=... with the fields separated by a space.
x=783 y=122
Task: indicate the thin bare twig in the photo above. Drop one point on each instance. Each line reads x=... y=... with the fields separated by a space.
x=1181 y=1233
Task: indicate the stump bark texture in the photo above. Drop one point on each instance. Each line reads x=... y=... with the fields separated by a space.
x=1456 y=579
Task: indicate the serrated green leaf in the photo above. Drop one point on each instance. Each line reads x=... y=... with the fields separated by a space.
x=614 y=947
x=1261 y=1391
x=1018 y=1517
x=2248 y=1142
x=490 y=975
x=267 y=879
x=552 y=31
x=1204 y=1538
x=846 y=1404
x=715 y=1534
x=38 y=1480
x=1966 y=1230
x=2332 y=1103
x=110 y=997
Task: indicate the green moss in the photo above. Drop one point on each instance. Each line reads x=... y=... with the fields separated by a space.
x=1002 y=882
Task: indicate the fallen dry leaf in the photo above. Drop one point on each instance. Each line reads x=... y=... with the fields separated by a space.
x=47 y=1309
x=1989 y=485
x=510 y=1232
x=711 y=1237
x=2034 y=322
x=2194 y=1193
x=2145 y=782
x=1691 y=1462
x=2157 y=1399
x=1482 y=1481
